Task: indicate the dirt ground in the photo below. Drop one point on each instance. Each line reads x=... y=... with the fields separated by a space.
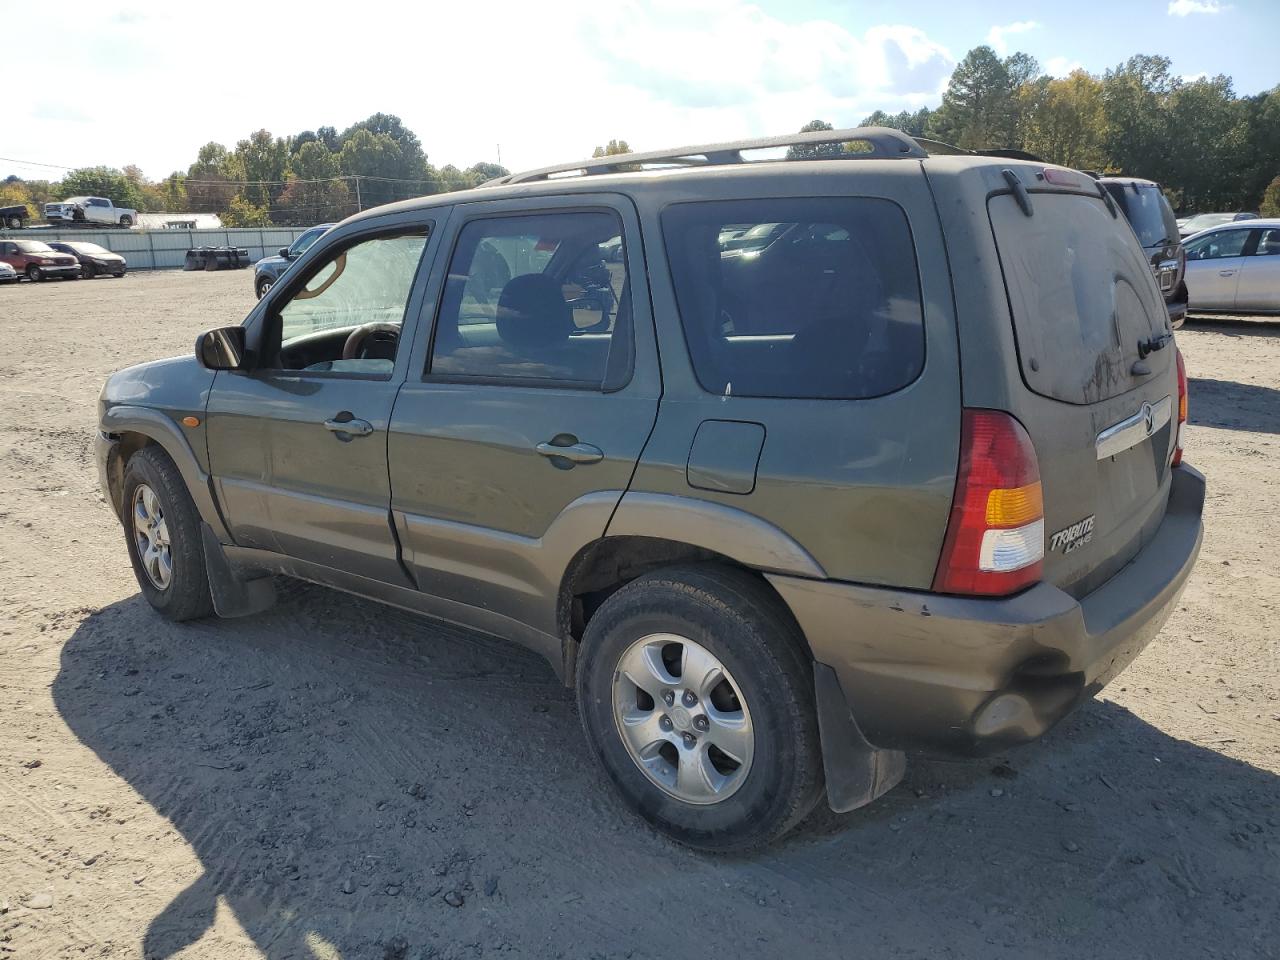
x=327 y=779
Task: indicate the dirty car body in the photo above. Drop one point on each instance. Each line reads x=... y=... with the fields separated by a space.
x=428 y=411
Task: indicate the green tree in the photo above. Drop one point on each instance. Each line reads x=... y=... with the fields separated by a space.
x=981 y=108
x=264 y=160
x=612 y=149
x=912 y=124
x=1064 y=121
x=102 y=182
x=391 y=157
x=487 y=171
x=1135 y=96
x=1261 y=153
x=1270 y=206
x=812 y=151
x=313 y=193
x=1208 y=158
x=241 y=213
x=209 y=186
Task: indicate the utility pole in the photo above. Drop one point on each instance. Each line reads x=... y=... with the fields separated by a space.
x=499 y=154
x=359 y=206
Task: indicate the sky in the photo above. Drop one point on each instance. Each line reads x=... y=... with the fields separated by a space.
x=533 y=83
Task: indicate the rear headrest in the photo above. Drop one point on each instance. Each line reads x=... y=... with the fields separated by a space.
x=532 y=312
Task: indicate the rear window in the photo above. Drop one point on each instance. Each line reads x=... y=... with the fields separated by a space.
x=798 y=297
x=1081 y=293
x=1148 y=212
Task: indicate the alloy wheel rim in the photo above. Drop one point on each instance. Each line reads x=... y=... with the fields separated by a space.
x=151 y=536
x=682 y=718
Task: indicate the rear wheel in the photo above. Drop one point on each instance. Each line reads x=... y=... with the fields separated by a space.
x=14 y=223
x=126 y=221
x=162 y=530
x=697 y=697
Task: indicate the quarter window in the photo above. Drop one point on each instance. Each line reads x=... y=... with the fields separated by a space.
x=541 y=297
x=1269 y=244
x=803 y=297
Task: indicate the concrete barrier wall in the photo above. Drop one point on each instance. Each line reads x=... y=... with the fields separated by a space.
x=167 y=249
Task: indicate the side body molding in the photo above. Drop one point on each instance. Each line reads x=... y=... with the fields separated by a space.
x=125 y=418
x=735 y=533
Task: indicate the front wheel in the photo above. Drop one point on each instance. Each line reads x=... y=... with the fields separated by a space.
x=162 y=530
x=34 y=273
x=696 y=694
x=126 y=221
x=14 y=223
x=88 y=271
x=264 y=287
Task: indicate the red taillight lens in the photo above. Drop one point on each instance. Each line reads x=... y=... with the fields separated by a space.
x=995 y=536
x=1182 y=407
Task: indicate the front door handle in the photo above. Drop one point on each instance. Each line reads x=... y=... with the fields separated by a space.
x=574 y=452
x=1226 y=273
x=352 y=427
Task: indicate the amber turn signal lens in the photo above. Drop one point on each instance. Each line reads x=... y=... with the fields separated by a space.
x=1015 y=506
x=191 y=421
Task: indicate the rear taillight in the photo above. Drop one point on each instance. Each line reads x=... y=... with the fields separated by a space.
x=995 y=536
x=1182 y=407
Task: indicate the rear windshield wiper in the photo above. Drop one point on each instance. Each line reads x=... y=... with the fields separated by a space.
x=1152 y=345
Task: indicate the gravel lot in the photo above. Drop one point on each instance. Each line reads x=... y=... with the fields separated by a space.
x=333 y=778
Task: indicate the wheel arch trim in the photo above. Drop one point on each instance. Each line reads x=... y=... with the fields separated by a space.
x=161 y=429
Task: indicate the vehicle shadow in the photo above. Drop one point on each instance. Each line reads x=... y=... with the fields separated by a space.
x=1231 y=405
x=340 y=768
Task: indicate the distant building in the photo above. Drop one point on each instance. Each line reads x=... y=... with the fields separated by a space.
x=179 y=221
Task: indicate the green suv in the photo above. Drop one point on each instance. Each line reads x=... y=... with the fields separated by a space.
x=788 y=467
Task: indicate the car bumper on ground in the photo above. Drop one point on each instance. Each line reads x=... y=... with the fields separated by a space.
x=962 y=676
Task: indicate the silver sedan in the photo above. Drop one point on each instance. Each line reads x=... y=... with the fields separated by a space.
x=1235 y=268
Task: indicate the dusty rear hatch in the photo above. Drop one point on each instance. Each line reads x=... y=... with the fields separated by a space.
x=1099 y=379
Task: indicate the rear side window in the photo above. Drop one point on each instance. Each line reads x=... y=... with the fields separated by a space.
x=1148 y=212
x=797 y=297
x=1081 y=292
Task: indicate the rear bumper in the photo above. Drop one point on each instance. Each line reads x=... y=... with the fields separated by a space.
x=954 y=675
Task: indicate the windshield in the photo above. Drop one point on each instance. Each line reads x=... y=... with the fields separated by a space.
x=34 y=246
x=89 y=248
x=1204 y=221
x=1147 y=210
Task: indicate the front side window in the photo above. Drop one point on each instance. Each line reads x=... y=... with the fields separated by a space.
x=304 y=242
x=347 y=316
x=1216 y=246
x=537 y=297
x=804 y=297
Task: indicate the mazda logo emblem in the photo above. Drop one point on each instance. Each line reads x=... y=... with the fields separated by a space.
x=1148 y=418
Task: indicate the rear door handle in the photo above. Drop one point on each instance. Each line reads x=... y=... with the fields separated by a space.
x=352 y=427
x=574 y=453
x=1226 y=273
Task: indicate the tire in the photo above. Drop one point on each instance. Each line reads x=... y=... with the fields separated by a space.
x=732 y=616
x=263 y=287
x=126 y=221
x=184 y=594
x=34 y=273
x=88 y=271
x=14 y=223
x=211 y=263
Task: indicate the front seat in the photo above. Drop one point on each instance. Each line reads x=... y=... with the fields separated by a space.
x=534 y=323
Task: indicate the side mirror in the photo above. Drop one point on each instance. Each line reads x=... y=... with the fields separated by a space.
x=284 y=252
x=221 y=349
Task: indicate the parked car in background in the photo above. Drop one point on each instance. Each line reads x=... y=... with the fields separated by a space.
x=38 y=261
x=770 y=546
x=268 y=270
x=8 y=274
x=1147 y=209
x=1203 y=221
x=94 y=260
x=14 y=217
x=1235 y=268
x=90 y=210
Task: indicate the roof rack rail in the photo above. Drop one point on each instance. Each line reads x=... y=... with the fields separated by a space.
x=885 y=143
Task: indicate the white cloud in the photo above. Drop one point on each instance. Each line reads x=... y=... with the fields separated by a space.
x=1182 y=8
x=996 y=35
x=1061 y=66
x=549 y=88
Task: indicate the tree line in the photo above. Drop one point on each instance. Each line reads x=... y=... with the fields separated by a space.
x=1208 y=148
x=309 y=177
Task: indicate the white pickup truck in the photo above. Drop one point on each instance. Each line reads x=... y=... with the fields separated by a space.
x=95 y=210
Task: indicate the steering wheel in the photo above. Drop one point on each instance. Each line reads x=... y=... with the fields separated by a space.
x=371 y=334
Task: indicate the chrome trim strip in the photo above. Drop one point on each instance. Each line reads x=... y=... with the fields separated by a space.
x=1131 y=431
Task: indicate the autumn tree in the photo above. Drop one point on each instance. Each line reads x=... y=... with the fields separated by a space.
x=611 y=149
x=1063 y=120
